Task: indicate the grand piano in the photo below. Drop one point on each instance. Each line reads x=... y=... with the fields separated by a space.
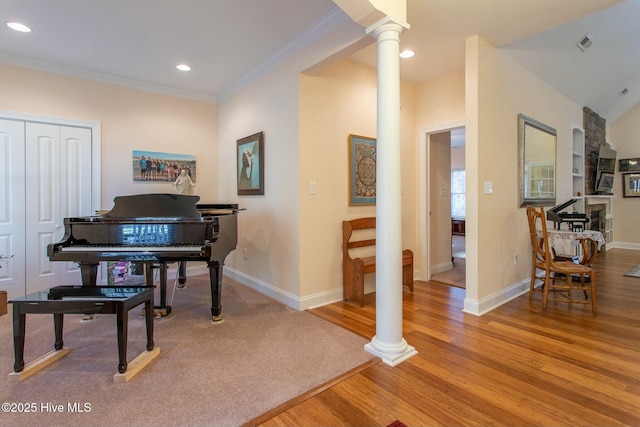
x=575 y=220
x=153 y=229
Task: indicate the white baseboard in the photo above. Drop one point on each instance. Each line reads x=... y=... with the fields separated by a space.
x=491 y=302
x=441 y=268
x=287 y=298
x=623 y=245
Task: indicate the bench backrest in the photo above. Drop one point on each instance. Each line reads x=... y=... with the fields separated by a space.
x=347 y=232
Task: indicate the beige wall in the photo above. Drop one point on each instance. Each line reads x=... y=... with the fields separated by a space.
x=441 y=101
x=623 y=134
x=130 y=119
x=440 y=194
x=269 y=227
x=334 y=103
x=497 y=90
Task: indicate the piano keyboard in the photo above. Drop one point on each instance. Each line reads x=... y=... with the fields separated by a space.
x=163 y=248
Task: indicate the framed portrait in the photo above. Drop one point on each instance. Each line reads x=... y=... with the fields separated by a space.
x=631 y=185
x=362 y=170
x=250 y=160
x=605 y=183
x=629 y=165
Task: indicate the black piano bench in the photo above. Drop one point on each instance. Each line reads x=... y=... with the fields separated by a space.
x=63 y=300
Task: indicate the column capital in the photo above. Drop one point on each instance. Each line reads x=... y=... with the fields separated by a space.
x=385 y=24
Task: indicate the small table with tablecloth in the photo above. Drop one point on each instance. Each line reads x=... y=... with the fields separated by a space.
x=565 y=242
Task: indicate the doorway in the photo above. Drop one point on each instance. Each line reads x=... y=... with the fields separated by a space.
x=445 y=240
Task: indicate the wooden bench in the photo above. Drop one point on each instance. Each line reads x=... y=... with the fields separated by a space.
x=354 y=269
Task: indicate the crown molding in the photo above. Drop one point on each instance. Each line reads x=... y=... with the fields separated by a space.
x=100 y=77
x=325 y=25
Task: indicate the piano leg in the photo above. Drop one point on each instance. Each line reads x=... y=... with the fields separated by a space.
x=89 y=275
x=19 y=320
x=215 y=279
x=122 y=325
x=88 y=272
x=182 y=272
x=163 y=309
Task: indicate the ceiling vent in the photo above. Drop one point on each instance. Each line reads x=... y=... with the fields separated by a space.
x=585 y=42
x=623 y=92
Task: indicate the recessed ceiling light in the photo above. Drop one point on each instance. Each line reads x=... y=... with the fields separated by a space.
x=183 y=67
x=18 y=27
x=407 y=53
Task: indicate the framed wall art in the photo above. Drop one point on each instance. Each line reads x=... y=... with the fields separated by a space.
x=631 y=185
x=161 y=167
x=362 y=170
x=605 y=182
x=250 y=160
x=629 y=165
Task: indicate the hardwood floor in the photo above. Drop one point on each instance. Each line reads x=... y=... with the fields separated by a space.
x=516 y=366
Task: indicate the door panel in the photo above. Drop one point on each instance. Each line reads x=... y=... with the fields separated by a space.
x=60 y=182
x=75 y=184
x=12 y=200
x=43 y=203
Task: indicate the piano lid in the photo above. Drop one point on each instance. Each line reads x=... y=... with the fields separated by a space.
x=155 y=206
x=560 y=207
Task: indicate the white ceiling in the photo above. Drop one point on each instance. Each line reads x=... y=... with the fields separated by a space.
x=229 y=42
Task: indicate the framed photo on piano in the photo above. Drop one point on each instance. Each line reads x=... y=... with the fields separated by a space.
x=631 y=185
x=250 y=161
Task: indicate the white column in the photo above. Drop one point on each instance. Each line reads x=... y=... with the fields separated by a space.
x=388 y=342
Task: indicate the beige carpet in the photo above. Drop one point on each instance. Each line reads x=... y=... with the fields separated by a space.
x=262 y=355
x=458 y=274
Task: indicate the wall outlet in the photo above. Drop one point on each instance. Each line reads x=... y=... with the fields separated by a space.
x=515 y=259
x=245 y=253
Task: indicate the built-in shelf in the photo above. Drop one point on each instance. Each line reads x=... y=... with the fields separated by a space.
x=578 y=167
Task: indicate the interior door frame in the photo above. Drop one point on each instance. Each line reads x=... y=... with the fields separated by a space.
x=424 y=225
x=96 y=142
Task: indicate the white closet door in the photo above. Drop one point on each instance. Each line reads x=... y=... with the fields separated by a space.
x=58 y=184
x=75 y=188
x=12 y=202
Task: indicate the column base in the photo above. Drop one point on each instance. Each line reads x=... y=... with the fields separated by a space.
x=391 y=355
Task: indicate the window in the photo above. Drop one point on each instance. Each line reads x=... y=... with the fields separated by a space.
x=458 y=201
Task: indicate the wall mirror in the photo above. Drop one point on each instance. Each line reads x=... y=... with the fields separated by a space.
x=536 y=163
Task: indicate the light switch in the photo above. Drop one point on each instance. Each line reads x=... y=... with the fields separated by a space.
x=488 y=187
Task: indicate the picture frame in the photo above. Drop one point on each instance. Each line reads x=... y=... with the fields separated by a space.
x=605 y=182
x=631 y=185
x=362 y=170
x=153 y=166
x=250 y=161
x=629 y=165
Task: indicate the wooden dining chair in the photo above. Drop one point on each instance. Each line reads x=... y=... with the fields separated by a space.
x=559 y=278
